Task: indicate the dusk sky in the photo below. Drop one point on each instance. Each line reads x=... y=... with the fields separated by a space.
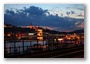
x=61 y=17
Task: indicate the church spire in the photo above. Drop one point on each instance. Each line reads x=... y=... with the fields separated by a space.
x=31 y=25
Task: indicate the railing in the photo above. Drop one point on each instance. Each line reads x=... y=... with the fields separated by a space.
x=8 y=51
x=16 y=50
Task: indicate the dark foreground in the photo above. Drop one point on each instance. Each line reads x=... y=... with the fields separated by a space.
x=74 y=52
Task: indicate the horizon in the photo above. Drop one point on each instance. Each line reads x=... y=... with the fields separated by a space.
x=45 y=28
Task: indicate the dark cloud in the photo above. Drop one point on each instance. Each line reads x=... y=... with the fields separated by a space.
x=67 y=13
x=38 y=17
x=10 y=12
x=35 y=10
x=72 y=12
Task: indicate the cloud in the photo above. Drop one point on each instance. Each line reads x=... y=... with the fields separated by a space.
x=51 y=28
x=81 y=9
x=61 y=14
x=72 y=12
x=77 y=23
x=68 y=7
x=67 y=13
x=40 y=17
x=34 y=10
x=10 y=12
x=81 y=15
x=78 y=8
x=81 y=25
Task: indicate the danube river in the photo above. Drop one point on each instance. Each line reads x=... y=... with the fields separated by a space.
x=11 y=45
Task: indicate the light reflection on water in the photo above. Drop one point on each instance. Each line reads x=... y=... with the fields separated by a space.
x=27 y=43
x=17 y=44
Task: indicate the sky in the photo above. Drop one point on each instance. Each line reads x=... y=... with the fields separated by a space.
x=60 y=17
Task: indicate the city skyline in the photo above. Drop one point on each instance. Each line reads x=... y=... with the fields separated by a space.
x=61 y=17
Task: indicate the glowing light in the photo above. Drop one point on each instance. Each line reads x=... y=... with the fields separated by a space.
x=5 y=26
x=40 y=32
x=8 y=34
x=19 y=37
x=60 y=39
x=16 y=35
x=40 y=38
x=54 y=39
x=44 y=47
x=30 y=33
x=69 y=38
x=31 y=25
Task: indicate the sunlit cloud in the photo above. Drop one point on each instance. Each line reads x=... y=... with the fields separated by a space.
x=81 y=25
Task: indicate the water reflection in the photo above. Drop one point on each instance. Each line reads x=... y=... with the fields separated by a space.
x=20 y=44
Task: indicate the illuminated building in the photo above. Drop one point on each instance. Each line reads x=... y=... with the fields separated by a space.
x=7 y=25
x=40 y=34
x=35 y=27
x=31 y=26
x=60 y=39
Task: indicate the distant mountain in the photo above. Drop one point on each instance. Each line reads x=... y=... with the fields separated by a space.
x=15 y=29
x=79 y=31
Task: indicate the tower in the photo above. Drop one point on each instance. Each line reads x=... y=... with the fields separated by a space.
x=31 y=26
x=40 y=34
